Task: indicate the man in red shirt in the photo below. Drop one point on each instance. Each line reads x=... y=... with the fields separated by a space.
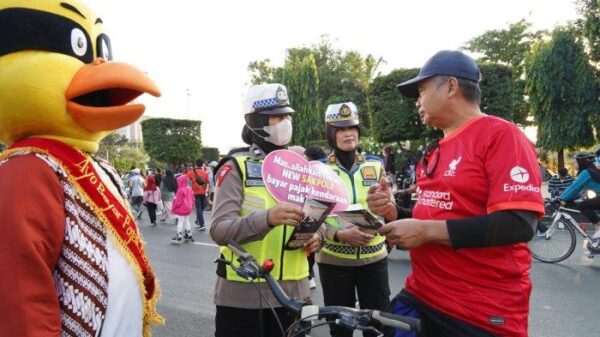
x=478 y=203
x=199 y=191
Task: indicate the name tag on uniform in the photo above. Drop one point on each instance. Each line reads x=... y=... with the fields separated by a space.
x=369 y=182
x=254 y=182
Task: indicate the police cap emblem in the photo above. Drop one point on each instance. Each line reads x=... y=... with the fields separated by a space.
x=345 y=111
x=282 y=95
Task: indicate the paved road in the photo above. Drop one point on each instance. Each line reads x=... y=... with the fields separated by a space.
x=565 y=301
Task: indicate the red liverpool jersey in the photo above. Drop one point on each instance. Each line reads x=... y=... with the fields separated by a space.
x=487 y=165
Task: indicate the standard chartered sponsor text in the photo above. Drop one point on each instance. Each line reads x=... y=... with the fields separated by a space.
x=437 y=199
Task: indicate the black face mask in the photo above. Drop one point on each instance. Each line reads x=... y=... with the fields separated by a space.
x=27 y=29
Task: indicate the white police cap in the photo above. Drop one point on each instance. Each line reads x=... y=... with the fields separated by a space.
x=268 y=99
x=342 y=114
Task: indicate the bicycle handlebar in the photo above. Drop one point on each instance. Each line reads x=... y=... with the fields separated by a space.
x=352 y=318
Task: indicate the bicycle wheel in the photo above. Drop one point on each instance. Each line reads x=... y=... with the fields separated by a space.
x=557 y=244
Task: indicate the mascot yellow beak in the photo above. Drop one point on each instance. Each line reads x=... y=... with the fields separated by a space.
x=99 y=92
x=57 y=78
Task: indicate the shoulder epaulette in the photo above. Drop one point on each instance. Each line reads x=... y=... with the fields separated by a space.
x=370 y=157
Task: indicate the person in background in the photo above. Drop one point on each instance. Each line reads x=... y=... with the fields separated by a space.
x=388 y=161
x=210 y=170
x=183 y=205
x=313 y=153
x=559 y=183
x=136 y=190
x=199 y=179
x=588 y=178
x=168 y=188
x=151 y=198
x=478 y=202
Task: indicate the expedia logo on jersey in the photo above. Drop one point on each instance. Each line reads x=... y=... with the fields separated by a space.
x=520 y=176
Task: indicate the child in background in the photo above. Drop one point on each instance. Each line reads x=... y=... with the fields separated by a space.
x=168 y=187
x=151 y=198
x=183 y=205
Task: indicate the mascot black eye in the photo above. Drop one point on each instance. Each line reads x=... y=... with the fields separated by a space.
x=78 y=42
x=104 y=47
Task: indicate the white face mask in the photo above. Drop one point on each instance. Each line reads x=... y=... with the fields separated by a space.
x=279 y=134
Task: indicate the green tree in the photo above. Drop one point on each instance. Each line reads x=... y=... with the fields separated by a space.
x=301 y=78
x=210 y=154
x=505 y=46
x=173 y=141
x=122 y=153
x=394 y=116
x=590 y=25
x=343 y=76
x=502 y=93
x=563 y=93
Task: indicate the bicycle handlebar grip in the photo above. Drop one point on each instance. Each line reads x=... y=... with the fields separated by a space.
x=397 y=321
x=236 y=248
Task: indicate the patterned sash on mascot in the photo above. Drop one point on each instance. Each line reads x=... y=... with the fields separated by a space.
x=109 y=209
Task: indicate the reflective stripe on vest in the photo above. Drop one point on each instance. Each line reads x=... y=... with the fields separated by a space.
x=289 y=264
x=358 y=183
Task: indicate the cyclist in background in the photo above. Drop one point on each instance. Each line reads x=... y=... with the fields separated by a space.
x=588 y=178
x=559 y=183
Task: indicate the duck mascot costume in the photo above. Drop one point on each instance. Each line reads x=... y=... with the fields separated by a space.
x=72 y=260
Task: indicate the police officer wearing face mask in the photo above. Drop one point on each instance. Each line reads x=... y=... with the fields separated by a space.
x=245 y=212
x=352 y=260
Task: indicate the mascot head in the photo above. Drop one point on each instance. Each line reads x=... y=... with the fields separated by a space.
x=57 y=78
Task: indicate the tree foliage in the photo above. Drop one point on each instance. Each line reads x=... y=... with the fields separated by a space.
x=505 y=46
x=122 y=153
x=173 y=141
x=342 y=75
x=394 y=117
x=502 y=93
x=590 y=25
x=210 y=154
x=301 y=78
x=563 y=93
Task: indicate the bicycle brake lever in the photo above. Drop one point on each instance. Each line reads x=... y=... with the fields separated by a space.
x=372 y=329
x=220 y=260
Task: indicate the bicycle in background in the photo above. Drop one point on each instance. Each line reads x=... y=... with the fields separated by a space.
x=555 y=239
x=312 y=316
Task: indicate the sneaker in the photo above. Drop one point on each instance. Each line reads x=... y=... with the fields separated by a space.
x=139 y=214
x=187 y=237
x=312 y=284
x=201 y=228
x=540 y=234
x=163 y=220
x=176 y=239
x=153 y=224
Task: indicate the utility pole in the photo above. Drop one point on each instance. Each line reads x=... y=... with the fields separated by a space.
x=188 y=94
